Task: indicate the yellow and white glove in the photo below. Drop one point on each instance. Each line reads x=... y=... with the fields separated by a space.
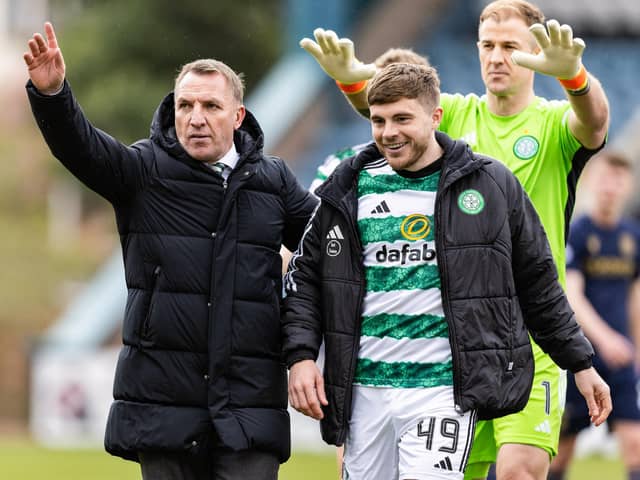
x=336 y=57
x=560 y=56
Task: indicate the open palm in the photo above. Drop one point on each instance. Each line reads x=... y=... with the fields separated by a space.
x=44 y=61
x=336 y=57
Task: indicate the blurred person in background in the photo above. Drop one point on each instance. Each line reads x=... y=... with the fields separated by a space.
x=200 y=389
x=603 y=263
x=416 y=346
x=546 y=143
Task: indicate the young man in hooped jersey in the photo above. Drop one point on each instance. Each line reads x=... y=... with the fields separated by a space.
x=423 y=269
x=546 y=144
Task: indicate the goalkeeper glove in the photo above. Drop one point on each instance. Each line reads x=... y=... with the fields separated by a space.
x=560 y=56
x=336 y=57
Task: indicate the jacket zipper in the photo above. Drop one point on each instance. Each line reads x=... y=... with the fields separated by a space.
x=214 y=235
x=246 y=174
x=225 y=208
x=445 y=299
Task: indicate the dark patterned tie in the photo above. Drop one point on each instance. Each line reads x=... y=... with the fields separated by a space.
x=218 y=168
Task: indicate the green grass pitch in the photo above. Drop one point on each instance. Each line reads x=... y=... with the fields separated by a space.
x=21 y=459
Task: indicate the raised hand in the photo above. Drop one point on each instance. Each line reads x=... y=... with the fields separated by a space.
x=44 y=61
x=560 y=54
x=336 y=57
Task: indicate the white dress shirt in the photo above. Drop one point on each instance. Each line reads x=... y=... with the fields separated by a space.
x=228 y=161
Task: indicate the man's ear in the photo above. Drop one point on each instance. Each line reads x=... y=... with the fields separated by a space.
x=240 y=114
x=436 y=116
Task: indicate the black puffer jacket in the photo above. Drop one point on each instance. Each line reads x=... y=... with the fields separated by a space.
x=497 y=275
x=201 y=332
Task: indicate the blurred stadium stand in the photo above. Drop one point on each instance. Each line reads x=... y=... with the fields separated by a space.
x=595 y=17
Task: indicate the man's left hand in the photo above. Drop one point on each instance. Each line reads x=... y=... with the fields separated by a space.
x=596 y=393
x=560 y=54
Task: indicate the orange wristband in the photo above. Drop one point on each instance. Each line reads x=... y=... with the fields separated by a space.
x=576 y=83
x=352 y=88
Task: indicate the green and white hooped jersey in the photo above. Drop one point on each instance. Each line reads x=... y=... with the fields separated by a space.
x=404 y=340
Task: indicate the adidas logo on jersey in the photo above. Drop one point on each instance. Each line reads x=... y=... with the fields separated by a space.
x=444 y=464
x=544 y=427
x=335 y=233
x=382 y=207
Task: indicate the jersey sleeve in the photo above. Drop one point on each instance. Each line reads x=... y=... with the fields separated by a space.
x=568 y=142
x=449 y=102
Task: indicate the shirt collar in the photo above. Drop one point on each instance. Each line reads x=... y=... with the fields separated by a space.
x=230 y=159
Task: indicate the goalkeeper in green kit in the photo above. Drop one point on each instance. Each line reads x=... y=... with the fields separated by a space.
x=546 y=143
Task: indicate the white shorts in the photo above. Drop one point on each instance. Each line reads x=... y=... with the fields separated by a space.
x=406 y=433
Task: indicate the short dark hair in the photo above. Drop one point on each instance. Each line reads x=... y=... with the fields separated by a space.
x=404 y=80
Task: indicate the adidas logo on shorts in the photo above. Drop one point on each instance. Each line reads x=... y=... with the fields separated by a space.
x=444 y=464
x=544 y=427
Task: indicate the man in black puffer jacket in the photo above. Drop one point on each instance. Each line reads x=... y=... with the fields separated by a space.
x=200 y=388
